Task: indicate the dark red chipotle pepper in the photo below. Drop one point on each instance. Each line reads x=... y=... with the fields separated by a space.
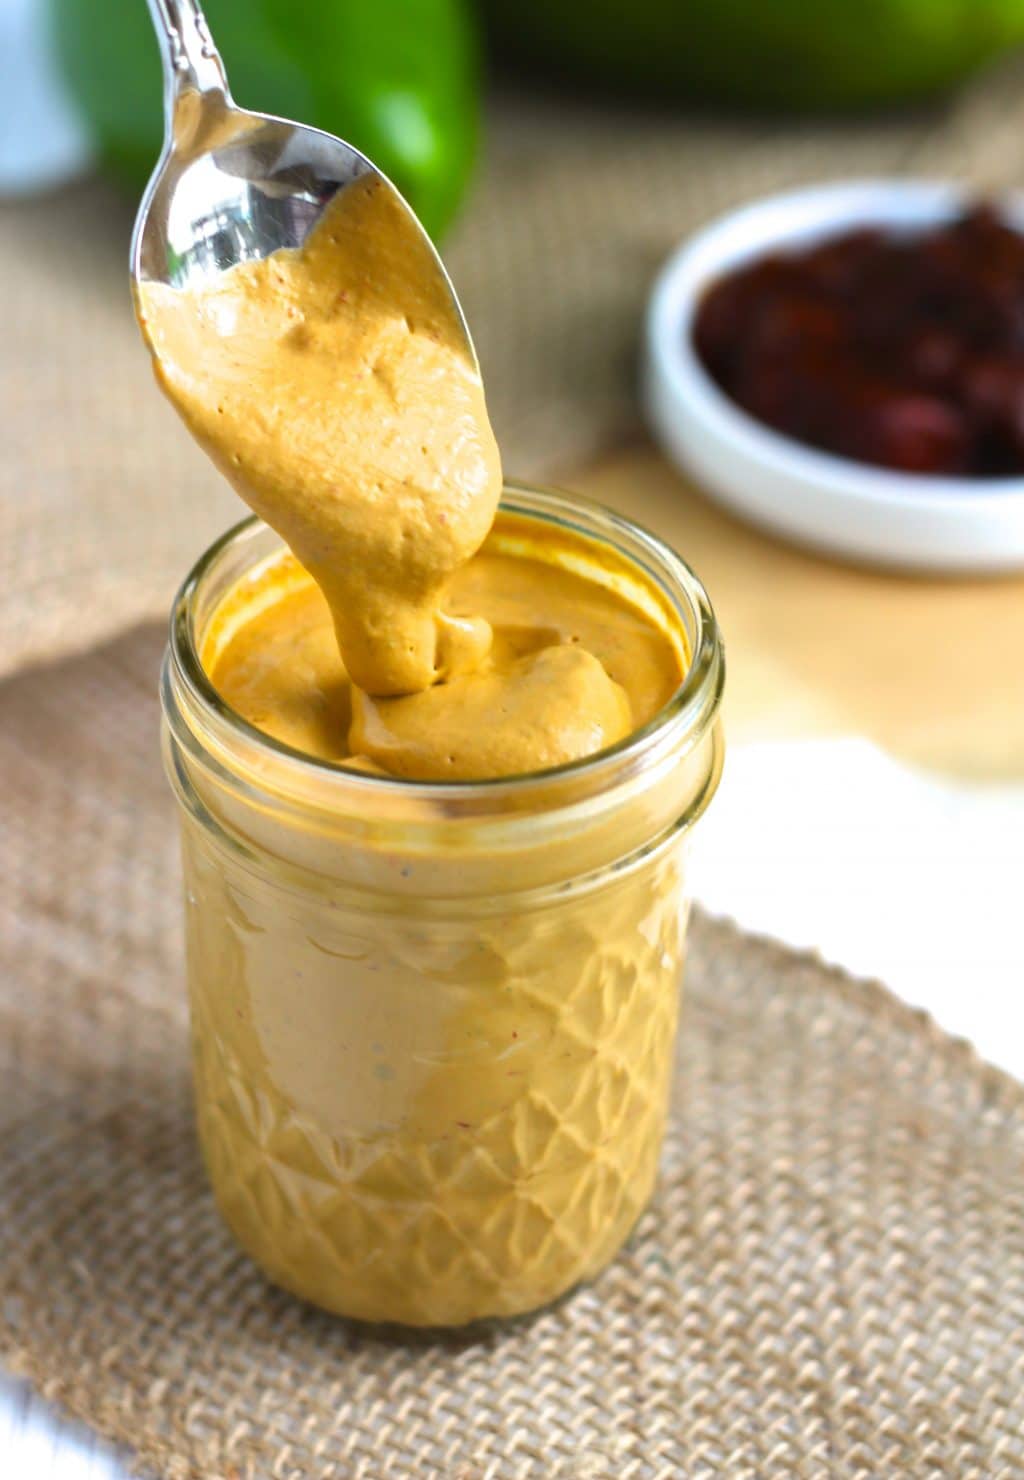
x=906 y=351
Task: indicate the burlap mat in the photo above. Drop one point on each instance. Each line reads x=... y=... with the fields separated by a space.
x=104 y=501
x=830 y=1283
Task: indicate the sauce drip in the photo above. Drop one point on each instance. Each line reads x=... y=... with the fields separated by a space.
x=333 y=387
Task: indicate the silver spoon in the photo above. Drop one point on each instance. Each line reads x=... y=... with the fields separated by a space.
x=232 y=186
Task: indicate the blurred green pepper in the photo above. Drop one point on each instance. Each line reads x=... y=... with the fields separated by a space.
x=780 y=53
x=397 y=78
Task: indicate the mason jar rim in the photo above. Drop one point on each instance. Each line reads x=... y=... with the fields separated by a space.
x=683 y=718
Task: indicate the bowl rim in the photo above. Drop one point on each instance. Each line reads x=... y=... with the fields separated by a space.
x=771 y=223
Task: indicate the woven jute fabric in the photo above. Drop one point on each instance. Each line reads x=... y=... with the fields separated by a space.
x=830 y=1282
x=104 y=501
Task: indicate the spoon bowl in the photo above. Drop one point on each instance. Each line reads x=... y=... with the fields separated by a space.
x=231 y=185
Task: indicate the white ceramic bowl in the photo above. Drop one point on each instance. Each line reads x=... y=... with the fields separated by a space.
x=817 y=498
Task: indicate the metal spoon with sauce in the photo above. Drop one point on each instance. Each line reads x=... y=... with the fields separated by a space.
x=233 y=186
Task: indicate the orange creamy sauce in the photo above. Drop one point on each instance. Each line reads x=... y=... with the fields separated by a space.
x=557 y=638
x=411 y=1112
x=333 y=386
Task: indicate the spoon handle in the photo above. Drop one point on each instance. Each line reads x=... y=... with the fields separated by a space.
x=190 y=60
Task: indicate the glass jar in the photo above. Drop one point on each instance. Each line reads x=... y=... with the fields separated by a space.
x=433 y=1023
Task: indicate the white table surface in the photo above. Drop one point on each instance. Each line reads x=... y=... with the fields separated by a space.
x=826 y=844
